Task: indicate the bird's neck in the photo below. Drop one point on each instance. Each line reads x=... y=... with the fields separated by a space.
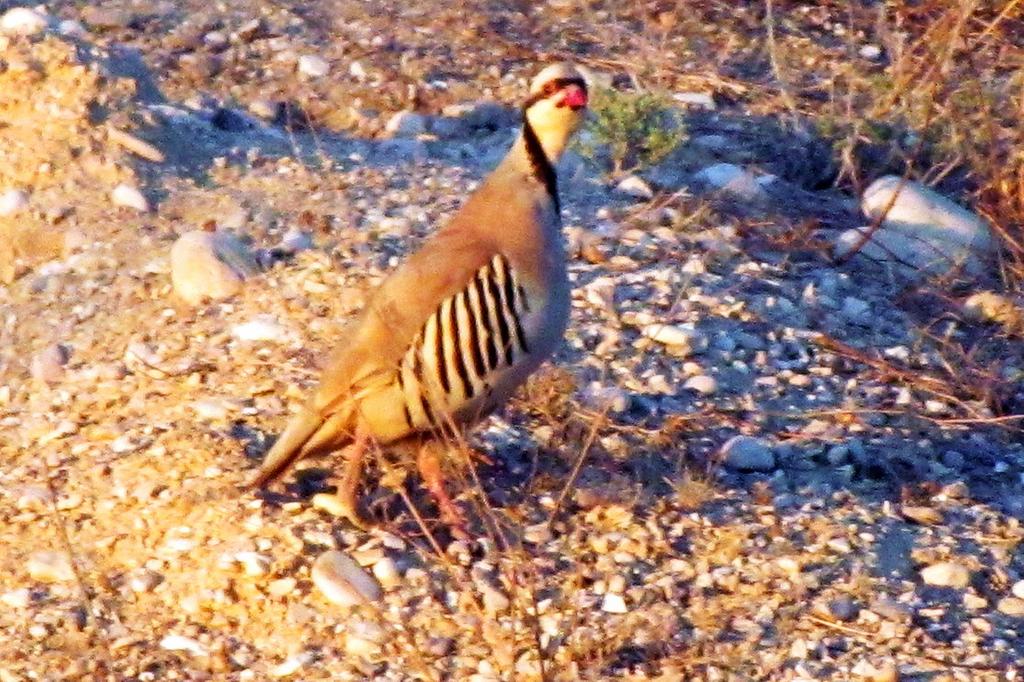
x=537 y=154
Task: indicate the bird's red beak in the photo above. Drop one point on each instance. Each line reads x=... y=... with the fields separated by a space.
x=575 y=97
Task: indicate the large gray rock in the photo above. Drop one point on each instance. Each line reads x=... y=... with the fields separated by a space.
x=745 y=453
x=922 y=231
x=210 y=266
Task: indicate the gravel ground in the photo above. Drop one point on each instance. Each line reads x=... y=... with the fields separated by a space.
x=780 y=469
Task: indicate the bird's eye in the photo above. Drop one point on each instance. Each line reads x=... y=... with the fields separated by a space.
x=550 y=88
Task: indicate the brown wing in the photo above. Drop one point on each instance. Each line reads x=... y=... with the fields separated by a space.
x=499 y=216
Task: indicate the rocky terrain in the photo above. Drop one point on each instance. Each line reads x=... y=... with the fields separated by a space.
x=773 y=447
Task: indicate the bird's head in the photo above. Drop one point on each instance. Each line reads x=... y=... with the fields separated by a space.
x=556 y=106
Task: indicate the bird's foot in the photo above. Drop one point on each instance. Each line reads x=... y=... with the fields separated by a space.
x=342 y=506
x=452 y=516
x=345 y=502
x=429 y=464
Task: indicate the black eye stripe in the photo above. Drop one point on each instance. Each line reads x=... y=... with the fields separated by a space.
x=551 y=87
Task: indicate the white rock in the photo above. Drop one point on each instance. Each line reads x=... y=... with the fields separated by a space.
x=1018 y=589
x=50 y=567
x=313 y=66
x=13 y=201
x=183 y=643
x=72 y=29
x=262 y=328
x=407 y=124
x=634 y=187
x=702 y=383
x=253 y=563
x=215 y=40
x=282 y=586
x=343 y=581
x=144 y=580
x=23 y=21
x=17 y=599
x=363 y=639
x=211 y=409
x=129 y=196
x=1011 y=606
x=358 y=71
x=292 y=664
x=746 y=453
x=614 y=603
x=695 y=99
x=732 y=180
x=209 y=265
x=676 y=336
x=869 y=51
x=922 y=229
x=946 y=574
x=386 y=572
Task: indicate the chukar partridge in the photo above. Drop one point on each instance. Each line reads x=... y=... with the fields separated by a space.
x=456 y=328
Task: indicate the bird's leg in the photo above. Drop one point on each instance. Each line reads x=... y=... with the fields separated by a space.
x=479 y=456
x=429 y=464
x=345 y=503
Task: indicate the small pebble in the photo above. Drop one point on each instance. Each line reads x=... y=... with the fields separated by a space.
x=253 y=563
x=183 y=643
x=144 y=580
x=292 y=664
x=386 y=572
x=262 y=328
x=282 y=586
x=614 y=603
x=363 y=639
x=702 y=383
x=1011 y=606
x=50 y=567
x=946 y=574
x=634 y=187
x=869 y=51
x=48 y=365
x=129 y=196
x=313 y=66
x=209 y=266
x=844 y=609
x=675 y=336
x=17 y=599
x=342 y=581
x=13 y=201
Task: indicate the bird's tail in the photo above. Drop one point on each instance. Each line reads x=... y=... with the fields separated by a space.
x=290 y=446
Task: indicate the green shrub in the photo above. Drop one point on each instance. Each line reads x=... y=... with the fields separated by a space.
x=638 y=128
